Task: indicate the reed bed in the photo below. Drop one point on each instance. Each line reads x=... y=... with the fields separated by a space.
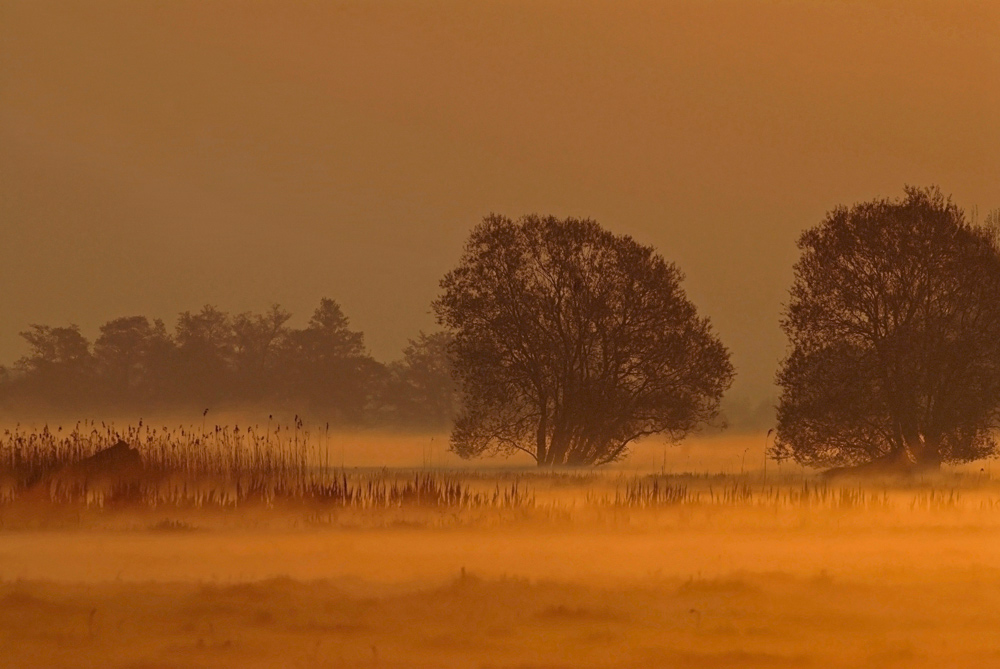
x=223 y=466
x=229 y=466
x=658 y=491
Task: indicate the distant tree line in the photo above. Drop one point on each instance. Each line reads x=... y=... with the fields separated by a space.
x=212 y=358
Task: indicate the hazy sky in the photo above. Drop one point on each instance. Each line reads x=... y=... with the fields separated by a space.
x=157 y=156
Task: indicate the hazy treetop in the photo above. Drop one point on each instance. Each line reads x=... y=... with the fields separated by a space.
x=159 y=155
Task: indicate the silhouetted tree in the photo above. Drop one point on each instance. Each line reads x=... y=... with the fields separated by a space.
x=258 y=341
x=128 y=357
x=163 y=383
x=894 y=327
x=421 y=389
x=58 y=365
x=572 y=342
x=205 y=347
x=326 y=364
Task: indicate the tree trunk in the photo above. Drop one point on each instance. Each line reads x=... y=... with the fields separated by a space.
x=928 y=454
x=541 y=452
x=558 y=443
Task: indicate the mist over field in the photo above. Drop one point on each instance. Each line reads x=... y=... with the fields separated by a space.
x=452 y=333
x=714 y=570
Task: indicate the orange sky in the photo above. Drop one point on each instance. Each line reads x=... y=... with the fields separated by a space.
x=155 y=156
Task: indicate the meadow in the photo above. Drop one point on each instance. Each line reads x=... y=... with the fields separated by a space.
x=285 y=545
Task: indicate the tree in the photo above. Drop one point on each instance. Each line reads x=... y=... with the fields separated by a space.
x=326 y=364
x=258 y=340
x=126 y=356
x=58 y=364
x=205 y=349
x=421 y=389
x=162 y=360
x=894 y=331
x=571 y=343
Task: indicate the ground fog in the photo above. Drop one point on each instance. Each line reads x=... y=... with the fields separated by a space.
x=688 y=556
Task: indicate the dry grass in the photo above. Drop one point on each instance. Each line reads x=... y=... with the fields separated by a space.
x=764 y=621
x=228 y=467
x=224 y=466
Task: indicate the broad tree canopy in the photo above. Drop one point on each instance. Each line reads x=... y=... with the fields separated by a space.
x=894 y=329
x=571 y=342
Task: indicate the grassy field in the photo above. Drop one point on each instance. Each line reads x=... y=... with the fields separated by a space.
x=688 y=557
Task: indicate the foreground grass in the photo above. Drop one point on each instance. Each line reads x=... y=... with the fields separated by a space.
x=743 y=620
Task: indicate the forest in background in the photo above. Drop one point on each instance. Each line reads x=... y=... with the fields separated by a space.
x=215 y=359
